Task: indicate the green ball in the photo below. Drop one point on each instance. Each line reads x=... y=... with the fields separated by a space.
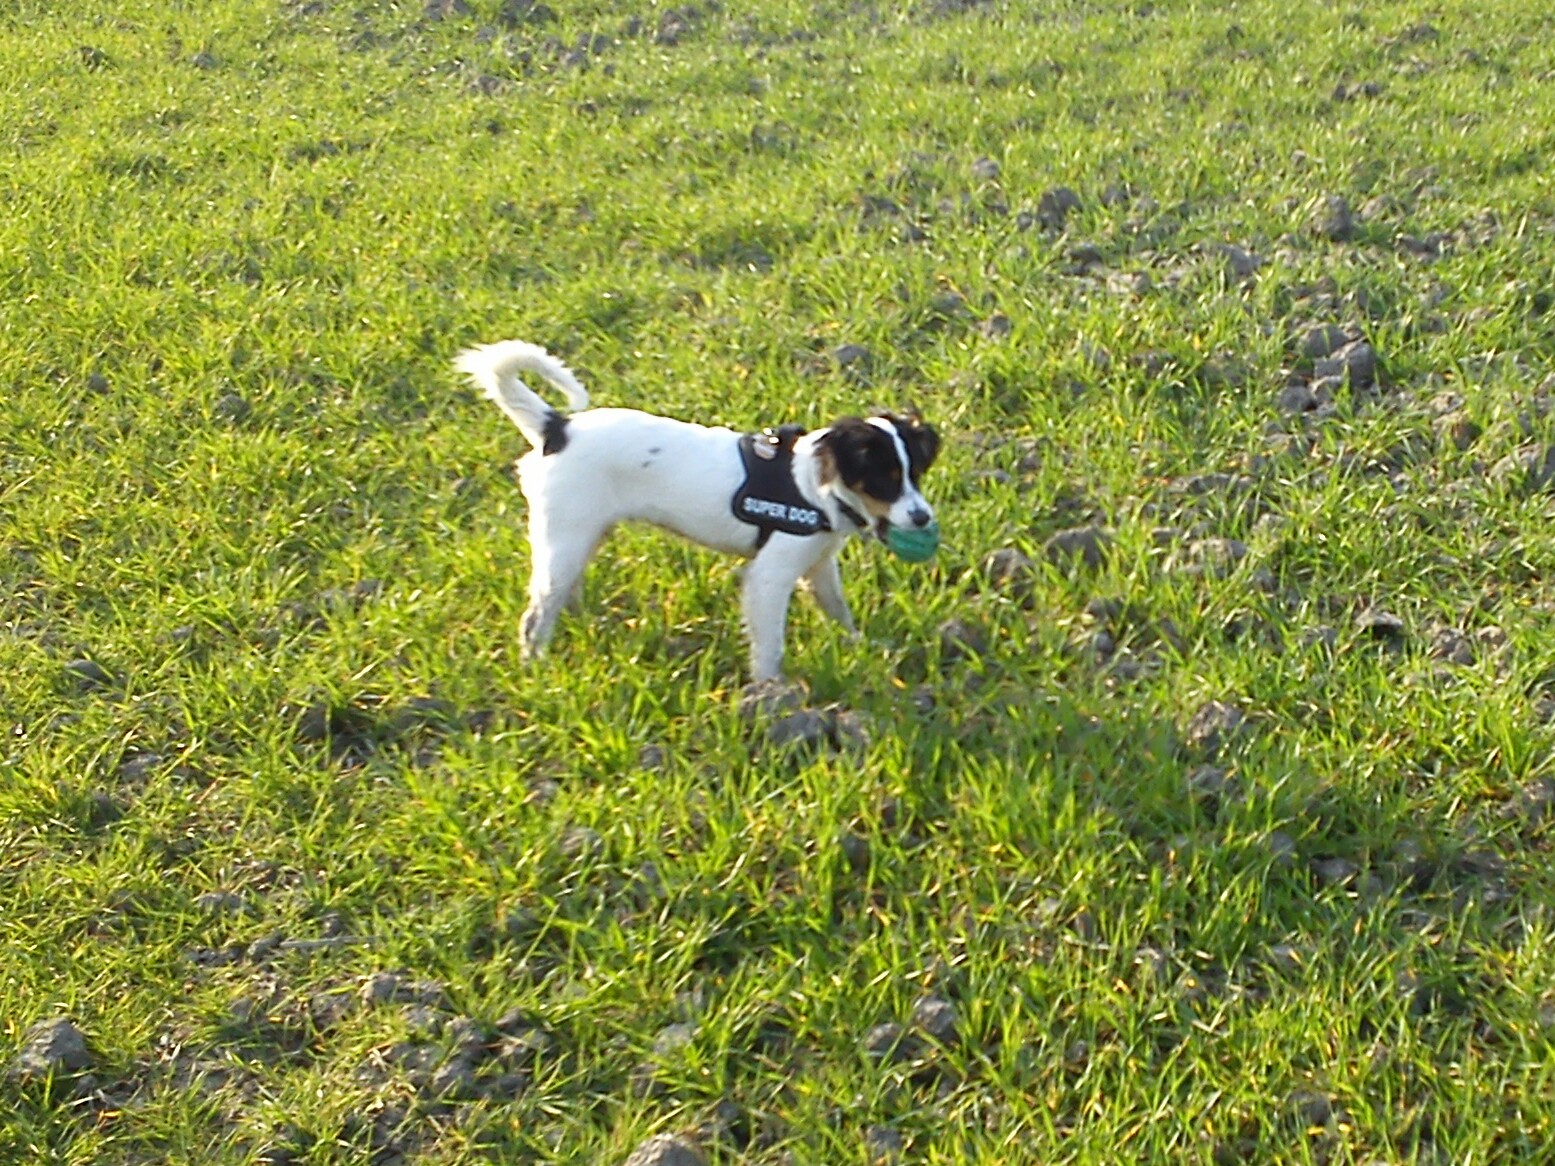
x=915 y=546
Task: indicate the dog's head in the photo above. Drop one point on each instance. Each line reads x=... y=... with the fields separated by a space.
x=879 y=461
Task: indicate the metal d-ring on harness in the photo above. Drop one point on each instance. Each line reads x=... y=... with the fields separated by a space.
x=769 y=498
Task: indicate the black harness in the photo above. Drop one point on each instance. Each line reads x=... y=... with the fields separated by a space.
x=768 y=498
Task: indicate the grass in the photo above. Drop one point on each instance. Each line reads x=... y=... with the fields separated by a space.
x=241 y=242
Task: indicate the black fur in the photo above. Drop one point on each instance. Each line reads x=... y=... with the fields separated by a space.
x=866 y=456
x=555 y=433
x=919 y=437
x=866 y=459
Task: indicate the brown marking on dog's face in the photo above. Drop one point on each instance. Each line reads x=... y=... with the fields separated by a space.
x=825 y=461
x=880 y=465
x=865 y=460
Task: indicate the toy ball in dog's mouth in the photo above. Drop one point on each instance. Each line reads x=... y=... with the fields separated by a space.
x=915 y=545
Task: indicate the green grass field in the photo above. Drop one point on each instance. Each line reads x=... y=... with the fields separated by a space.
x=1225 y=842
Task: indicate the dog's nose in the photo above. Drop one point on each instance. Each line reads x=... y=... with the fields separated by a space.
x=919 y=516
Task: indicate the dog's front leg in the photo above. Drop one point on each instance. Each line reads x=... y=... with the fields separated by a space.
x=770 y=579
x=826 y=582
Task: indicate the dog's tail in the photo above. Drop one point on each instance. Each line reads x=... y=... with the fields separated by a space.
x=495 y=367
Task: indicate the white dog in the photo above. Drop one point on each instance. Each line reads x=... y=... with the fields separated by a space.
x=785 y=500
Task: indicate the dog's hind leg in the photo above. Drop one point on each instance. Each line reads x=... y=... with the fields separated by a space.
x=555 y=579
x=825 y=579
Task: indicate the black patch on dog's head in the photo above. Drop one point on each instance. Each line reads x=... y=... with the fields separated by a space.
x=554 y=433
x=920 y=439
x=865 y=459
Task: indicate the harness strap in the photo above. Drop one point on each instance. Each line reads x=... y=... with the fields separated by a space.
x=768 y=498
x=858 y=519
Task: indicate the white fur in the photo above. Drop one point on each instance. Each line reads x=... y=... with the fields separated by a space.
x=623 y=465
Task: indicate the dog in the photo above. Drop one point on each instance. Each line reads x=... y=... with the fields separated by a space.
x=590 y=469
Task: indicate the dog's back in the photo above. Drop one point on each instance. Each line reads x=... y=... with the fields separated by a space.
x=625 y=465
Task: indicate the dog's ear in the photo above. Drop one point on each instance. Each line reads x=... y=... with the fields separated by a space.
x=830 y=453
x=825 y=457
x=922 y=441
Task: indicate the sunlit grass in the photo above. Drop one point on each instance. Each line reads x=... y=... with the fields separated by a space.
x=262 y=565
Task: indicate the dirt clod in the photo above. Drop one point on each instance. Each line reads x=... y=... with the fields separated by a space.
x=666 y=1150
x=1213 y=726
x=1087 y=545
x=51 y=1046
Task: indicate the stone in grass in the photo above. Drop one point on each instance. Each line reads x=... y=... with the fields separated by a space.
x=231 y=409
x=1531 y=469
x=1239 y=263
x=520 y=1048
x=1130 y=283
x=1224 y=371
x=288 y=1145
x=1055 y=206
x=855 y=851
x=672 y=1038
x=581 y=843
x=1297 y=397
x=889 y=1043
x=960 y=639
x=1344 y=92
x=802 y=727
x=1216 y=557
x=936 y=1017
x=1286 y=957
x=851 y=356
x=1377 y=624
x=1457 y=429
x=1310 y=1108
x=996 y=327
x=838 y=727
x=1009 y=570
x=220 y=903
x=467 y=1039
x=1087 y=545
x=1355 y=361
x=676 y=24
x=1335 y=871
x=51 y=1047
x=1534 y=803
x=454 y=1080
x=1209 y=783
x=771 y=697
x=884 y=1144
x=384 y=988
x=1212 y=726
x=1321 y=637
x=1452 y=646
x=89 y=676
x=516 y=12
x=1323 y=340
x=986 y=170
x=1333 y=219
x=849 y=730
x=666 y=1150
x=393 y=988
x=1281 y=848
